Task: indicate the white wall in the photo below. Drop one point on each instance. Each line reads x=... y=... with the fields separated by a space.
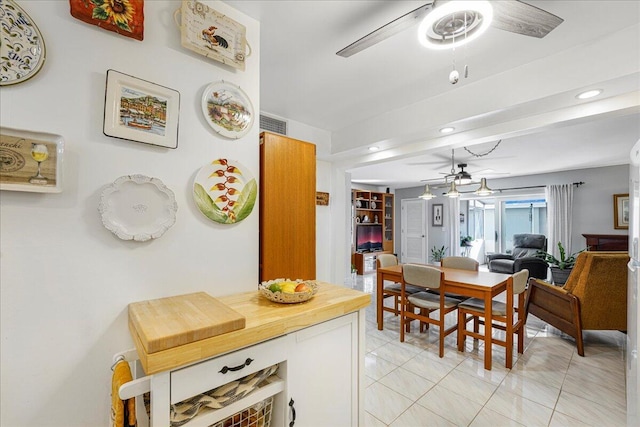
x=65 y=281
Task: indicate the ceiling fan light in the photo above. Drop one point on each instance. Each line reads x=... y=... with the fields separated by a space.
x=427 y=195
x=453 y=191
x=431 y=39
x=483 y=190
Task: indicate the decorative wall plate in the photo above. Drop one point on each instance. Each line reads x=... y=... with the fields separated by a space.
x=136 y=207
x=125 y=17
x=227 y=109
x=212 y=34
x=225 y=191
x=22 y=50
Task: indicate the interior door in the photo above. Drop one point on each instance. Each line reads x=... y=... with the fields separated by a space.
x=413 y=234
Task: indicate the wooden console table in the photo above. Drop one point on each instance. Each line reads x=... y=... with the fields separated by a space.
x=607 y=242
x=365 y=262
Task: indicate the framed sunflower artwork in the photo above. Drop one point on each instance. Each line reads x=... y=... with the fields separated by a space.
x=125 y=17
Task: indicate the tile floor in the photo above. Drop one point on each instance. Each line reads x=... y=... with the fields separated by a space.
x=407 y=384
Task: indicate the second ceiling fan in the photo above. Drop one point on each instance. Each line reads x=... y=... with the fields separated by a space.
x=455 y=22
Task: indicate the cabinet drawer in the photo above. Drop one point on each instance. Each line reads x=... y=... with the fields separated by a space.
x=204 y=376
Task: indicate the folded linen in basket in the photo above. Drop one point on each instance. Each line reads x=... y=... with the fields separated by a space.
x=219 y=397
x=123 y=413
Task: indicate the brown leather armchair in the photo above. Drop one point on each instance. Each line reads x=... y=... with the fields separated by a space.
x=524 y=255
x=594 y=297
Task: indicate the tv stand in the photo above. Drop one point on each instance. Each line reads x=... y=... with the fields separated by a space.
x=365 y=262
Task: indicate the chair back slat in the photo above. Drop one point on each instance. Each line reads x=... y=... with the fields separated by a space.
x=520 y=281
x=461 y=263
x=386 y=260
x=421 y=275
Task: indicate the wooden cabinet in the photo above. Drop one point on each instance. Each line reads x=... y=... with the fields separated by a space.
x=388 y=222
x=365 y=262
x=287 y=208
x=607 y=242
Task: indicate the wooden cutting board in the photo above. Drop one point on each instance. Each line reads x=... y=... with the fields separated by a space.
x=174 y=321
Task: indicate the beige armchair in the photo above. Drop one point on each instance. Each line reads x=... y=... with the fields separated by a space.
x=594 y=297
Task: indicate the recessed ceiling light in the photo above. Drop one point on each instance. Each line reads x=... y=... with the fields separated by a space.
x=373 y=148
x=447 y=130
x=589 y=94
x=454 y=24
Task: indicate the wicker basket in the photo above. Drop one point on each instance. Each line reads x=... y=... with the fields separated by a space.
x=258 y=415
x=285 y=298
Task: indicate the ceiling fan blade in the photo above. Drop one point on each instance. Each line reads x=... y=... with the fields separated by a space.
x=386 y=31
x=522 y=18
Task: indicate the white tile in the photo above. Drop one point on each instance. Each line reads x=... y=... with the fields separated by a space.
x=407 y=383
x=531 y=389
x=488 y=418
x=469 y=386
x=449 y=405
x=418 y=415
x=397 y=353
x=518 y=408
x=602 y=393
x=426 y=367
x=475 y=367
x=376 y=367
x=372 y=342
x=559 y=419
x=371 y=421
x=610 y=378
x=590 y=412
x=385 y=404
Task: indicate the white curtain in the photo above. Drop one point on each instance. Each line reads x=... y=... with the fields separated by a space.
x=453 y=219
x=559 y=207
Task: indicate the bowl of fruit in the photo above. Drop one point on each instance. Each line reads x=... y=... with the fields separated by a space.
x=287 y=291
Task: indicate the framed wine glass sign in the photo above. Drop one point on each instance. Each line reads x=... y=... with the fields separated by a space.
x=30 y=161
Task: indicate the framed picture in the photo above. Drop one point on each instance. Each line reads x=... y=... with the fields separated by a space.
x=436 y=215
x=212 y=34
x=621 y=211
x=141 y=111
x=30 y=161
x=322 y=199
x=125 y=17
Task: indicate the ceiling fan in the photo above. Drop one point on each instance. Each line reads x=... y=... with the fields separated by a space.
x=464 y=23
x=460 y=176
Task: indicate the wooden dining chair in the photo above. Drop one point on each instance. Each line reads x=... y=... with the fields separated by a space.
x=393 y=290
x=509 y=318
x=426 y=302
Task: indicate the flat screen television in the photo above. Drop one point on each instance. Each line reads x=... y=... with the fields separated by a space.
x=368 y=237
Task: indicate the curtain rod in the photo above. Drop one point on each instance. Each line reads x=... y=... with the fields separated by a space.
x=577 y=184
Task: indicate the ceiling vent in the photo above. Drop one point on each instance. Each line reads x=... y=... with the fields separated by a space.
x=273 y=125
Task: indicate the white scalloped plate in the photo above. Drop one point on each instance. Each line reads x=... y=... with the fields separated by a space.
x=137 y=207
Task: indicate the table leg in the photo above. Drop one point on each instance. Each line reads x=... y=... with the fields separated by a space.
x=379 y=299
x=488 y=326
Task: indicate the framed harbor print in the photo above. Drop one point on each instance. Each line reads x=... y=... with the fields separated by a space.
x=436 y=215
x=125 y=17
x=30 y=161
x=141 y=111
x=621 y=211
x=212 y=34
x=227 y=109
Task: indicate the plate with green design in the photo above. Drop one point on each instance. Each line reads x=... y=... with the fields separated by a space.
x=225 y=191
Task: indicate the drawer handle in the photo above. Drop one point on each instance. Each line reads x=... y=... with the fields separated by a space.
x=293 y=411
x=226 y=369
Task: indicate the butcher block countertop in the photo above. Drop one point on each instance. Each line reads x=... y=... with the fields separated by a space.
x=264 y=320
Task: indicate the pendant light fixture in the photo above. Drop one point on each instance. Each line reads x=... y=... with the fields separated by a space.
x=453 y=191
x=427 y=195
x=483 y=190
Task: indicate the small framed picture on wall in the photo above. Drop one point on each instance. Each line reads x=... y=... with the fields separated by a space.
x=621 y=211
x=436 y=215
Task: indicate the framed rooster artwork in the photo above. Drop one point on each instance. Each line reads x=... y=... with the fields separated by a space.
x=212 y=34
x=125 y=17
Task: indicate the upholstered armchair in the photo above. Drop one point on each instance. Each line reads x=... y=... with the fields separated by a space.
x=594 y=297
x=523 y=256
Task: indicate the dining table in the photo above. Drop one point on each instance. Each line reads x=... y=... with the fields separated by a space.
x=484 y=285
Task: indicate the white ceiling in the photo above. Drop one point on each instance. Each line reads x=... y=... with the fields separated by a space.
x=396 y=95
